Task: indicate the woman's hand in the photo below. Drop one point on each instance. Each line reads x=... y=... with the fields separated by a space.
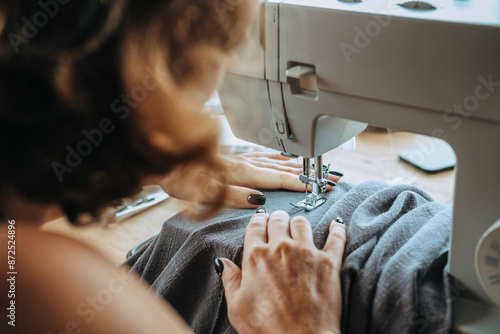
x=286 y=285
x=245 y=173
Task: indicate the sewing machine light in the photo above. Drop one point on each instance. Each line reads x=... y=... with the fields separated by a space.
x=487 y=262
x=350 y=145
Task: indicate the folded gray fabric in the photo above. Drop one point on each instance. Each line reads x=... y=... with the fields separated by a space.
x=393 y=278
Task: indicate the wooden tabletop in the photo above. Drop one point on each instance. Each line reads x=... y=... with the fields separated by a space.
x=376 y=158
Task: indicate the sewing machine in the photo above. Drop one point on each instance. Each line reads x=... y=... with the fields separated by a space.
x=313 y=73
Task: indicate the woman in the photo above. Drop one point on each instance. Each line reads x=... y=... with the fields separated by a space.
x=99 y=98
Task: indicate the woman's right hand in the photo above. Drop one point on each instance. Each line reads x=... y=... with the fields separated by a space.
x=286 y=285
x=245 y=174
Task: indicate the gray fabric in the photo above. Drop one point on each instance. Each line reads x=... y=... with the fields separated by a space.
x=393 y=278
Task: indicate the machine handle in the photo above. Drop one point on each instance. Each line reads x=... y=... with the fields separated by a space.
x=299 y=72
x=302 y=80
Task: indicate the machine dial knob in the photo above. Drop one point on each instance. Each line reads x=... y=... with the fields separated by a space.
x=488 y=262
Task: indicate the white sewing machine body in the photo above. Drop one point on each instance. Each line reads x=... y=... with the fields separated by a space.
x=313 y=72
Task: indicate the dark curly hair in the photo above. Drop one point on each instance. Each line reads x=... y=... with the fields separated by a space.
x=93 y=96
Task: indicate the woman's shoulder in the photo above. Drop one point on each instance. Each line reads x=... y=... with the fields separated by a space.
x=51 y=244
x=63 y=285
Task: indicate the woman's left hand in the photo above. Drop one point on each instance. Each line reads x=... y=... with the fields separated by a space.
x=247 y=172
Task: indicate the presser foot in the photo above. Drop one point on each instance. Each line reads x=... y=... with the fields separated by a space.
x=310 y=203
x=316 y=180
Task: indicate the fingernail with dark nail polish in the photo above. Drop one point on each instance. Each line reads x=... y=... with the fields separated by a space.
x=339 y=220
x=332 y=172
x=257 y=199
x=331 y=183
x=219 y=266
x=261 y=210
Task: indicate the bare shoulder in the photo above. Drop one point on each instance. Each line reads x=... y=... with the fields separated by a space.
x=65 y=286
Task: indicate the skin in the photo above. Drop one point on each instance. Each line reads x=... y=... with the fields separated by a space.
x=64 y=286
x=246 y=172
x=57 y=275
x=286 y=285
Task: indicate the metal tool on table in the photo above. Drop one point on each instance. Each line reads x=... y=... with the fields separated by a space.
x=135 y=207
